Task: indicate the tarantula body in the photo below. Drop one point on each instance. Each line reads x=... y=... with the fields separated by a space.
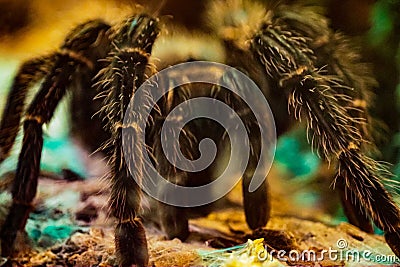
x=290 y=53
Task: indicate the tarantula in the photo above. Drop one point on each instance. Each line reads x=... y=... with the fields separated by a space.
x=289 y=51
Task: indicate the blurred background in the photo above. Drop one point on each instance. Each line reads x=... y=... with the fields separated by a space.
x=31 y=28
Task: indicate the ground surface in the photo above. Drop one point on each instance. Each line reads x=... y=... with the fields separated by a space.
x=69 y=227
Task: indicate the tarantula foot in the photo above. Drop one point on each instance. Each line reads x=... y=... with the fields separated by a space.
x=256 y=208
x=5 y=248
x=14 y=222
x=393 y=240
x=174 y=222
x=130 y=244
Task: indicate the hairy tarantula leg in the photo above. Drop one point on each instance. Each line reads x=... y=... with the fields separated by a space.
x=128 y=63
x=174 y=220
x=333 y=132
x=355 y=213
x=39 y=112
x=130 y=238
x=335 y=54
x=28 y=74
x=256 y=204
x=362 y=177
